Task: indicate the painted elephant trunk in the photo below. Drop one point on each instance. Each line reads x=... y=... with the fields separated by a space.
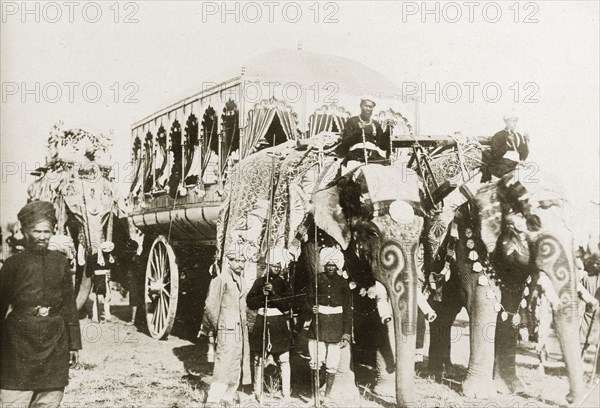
x=405 y=329
x=397 y=269
x=555 y=258
x=567 y=326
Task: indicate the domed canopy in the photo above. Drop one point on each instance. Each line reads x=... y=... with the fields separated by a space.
x=309 y=68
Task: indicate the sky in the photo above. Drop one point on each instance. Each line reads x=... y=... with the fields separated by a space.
x=542 y=56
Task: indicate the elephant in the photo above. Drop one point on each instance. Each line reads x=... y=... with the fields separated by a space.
x=277 y=196
x=77 y=180
x=509 y=235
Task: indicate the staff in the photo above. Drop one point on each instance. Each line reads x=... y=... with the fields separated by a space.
x=274 y=157
x=317 y=381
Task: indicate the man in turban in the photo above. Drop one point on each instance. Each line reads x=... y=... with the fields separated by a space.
x=276 y=290
x=332 y=304
x=508 y=147
x=225 y=315
x=40 y=335
x=364 y=137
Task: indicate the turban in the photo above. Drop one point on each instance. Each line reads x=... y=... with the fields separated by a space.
x=240 y=251
x=36 y=212
x=363 y=100
x=332 y=255
x=510 y=115
x=278 y=255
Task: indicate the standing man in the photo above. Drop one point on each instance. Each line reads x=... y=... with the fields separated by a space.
x=333 y=305
x=278 y=337
x=225 y=314
x=508 y=147
x=376 y=142
x=40 y=335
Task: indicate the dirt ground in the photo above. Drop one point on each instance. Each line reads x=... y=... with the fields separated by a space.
x=121 y=366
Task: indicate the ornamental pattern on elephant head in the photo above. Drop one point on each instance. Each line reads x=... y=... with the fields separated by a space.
x=558 y=265
x=397 y=255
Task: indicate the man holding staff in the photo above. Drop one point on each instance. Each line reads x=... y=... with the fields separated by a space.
x=333 y=305
x=277 y=342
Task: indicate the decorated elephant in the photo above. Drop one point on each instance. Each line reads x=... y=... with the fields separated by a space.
x=76 y=178
x=276 y=197
x=509 y=235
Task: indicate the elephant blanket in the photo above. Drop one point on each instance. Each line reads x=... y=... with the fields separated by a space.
x=268 y=199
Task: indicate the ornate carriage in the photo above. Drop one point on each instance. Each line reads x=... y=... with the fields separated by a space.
x=184 y=153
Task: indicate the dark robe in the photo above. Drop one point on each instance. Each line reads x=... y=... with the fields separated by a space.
x=494 y=161
x=278 y=334
x=353 y=135
x=333 y=292
x=35 y=349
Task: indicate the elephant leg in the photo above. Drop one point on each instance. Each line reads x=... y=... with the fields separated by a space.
x=482 y=325
x=440 y=333
x=505 y=374
x=385 y=362
x=344 y=386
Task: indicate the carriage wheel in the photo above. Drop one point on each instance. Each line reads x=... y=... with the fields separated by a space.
x=161 y=289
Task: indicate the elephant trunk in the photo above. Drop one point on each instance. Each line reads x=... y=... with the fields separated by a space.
x=555 y=258
x=397 y=265
x=567 y=326
x=405 y=329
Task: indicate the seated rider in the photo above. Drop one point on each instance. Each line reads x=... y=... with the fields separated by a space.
x=508 y=148
x=364 y=137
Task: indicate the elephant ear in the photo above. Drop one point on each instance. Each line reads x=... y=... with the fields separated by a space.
x=526 y=194
x=487 y=214
x=329 y=216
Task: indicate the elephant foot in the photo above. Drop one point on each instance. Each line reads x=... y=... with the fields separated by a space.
x=480 y=389
x=509 y=383
x=386 y=386
x=344 y=387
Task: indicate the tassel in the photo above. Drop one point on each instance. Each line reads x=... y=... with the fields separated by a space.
x=80 y=255
x=100 y=259
x=477 y=267
x=483 y=280
x=516 y=320
x=497 y=307
x=526 y=291
x=523 y=303
x=111 y=259
x=454 y=230
x=504 y=316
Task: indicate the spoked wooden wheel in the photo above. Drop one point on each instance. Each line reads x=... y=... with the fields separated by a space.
x=161 y=289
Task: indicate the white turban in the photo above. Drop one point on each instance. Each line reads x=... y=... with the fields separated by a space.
x=510 y=115
x=329 y=254
x=239 y=250
x=278 y=255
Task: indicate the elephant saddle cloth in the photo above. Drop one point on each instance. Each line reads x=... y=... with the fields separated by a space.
x=386 y=183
